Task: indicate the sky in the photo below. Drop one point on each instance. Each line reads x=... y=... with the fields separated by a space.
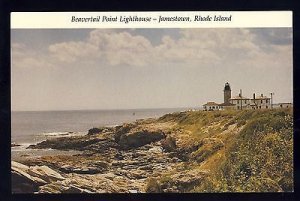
x=76 y=69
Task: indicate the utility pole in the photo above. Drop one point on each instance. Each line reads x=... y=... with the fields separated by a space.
x=272 y=93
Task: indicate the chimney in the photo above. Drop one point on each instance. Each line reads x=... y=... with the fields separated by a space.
x=240 y=93
x=254 y=96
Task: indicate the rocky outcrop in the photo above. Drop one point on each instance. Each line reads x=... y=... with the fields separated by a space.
x=139 y=138
x=183 y=181
x=65 y=143
x=100 y=183
x=93 y=131
x=13 y=144
x=28 y=179
x=96 y=142
x=133 y=135
x=169 y=144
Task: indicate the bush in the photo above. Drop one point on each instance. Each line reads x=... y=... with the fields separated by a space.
x=260 y=158
x=153 y=186
x=209 y=147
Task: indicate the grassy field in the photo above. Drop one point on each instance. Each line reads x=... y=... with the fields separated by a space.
x=243 y=151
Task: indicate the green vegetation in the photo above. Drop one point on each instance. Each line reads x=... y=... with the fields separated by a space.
x=244 y=151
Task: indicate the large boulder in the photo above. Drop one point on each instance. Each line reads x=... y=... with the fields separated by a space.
x=99 y=183
x=123 y=129
x=26 y=179
x=135 y=135
x=94 y=131
x=169 y=144
x=67 y=143
x=183 y=181
x=139 y=138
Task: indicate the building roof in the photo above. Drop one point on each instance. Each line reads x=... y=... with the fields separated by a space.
x=211 y=104
x=226 y=104
x=239 y=98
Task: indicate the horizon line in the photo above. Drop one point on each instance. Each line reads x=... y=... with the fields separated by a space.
x=58 y=110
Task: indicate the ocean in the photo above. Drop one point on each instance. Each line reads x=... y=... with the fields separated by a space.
x=33 y=127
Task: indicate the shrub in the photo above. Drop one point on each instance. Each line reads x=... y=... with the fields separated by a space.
x=209 y=147
x=153 y=186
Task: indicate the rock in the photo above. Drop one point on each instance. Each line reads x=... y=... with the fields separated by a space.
x=183 y=181
x=169 y=144
x=14 y=144
x=26 y=179
x=100 y=183
x=139 y=138
x=45 y=173
x=93 y=131
x=121 y=130
x=67 y=143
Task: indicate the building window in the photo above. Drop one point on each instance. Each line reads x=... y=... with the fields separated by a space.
x=261 y=101
x=237 y=101
x=267 y=107
x=259 y=107
x=238 y=107
x=267 y=100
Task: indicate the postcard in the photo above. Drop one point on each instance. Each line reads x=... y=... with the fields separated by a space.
x=152 y=102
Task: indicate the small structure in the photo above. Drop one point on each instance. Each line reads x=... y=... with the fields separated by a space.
x=210 y=106
x=283 y=105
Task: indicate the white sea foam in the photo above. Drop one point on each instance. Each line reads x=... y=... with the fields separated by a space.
x=62 y=134
x=55 y=133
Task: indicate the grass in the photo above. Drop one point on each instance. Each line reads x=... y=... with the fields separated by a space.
x=257 y=155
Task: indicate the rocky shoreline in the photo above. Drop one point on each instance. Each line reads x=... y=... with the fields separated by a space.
x=191 y=151
x=113 y=160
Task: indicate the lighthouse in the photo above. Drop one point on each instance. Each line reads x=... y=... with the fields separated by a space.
x=227 y=93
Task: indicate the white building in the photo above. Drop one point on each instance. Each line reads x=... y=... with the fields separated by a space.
x=260 y=102
x=210 y=106
x=240 y=102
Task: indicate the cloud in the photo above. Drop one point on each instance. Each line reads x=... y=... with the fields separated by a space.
x=276 y=36
x=24 y=57
x=194 y=46
x=112 y=47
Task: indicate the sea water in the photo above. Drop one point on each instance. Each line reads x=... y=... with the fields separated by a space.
x=33 y=127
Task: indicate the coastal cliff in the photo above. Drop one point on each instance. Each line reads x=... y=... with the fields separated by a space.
x=190 y=151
